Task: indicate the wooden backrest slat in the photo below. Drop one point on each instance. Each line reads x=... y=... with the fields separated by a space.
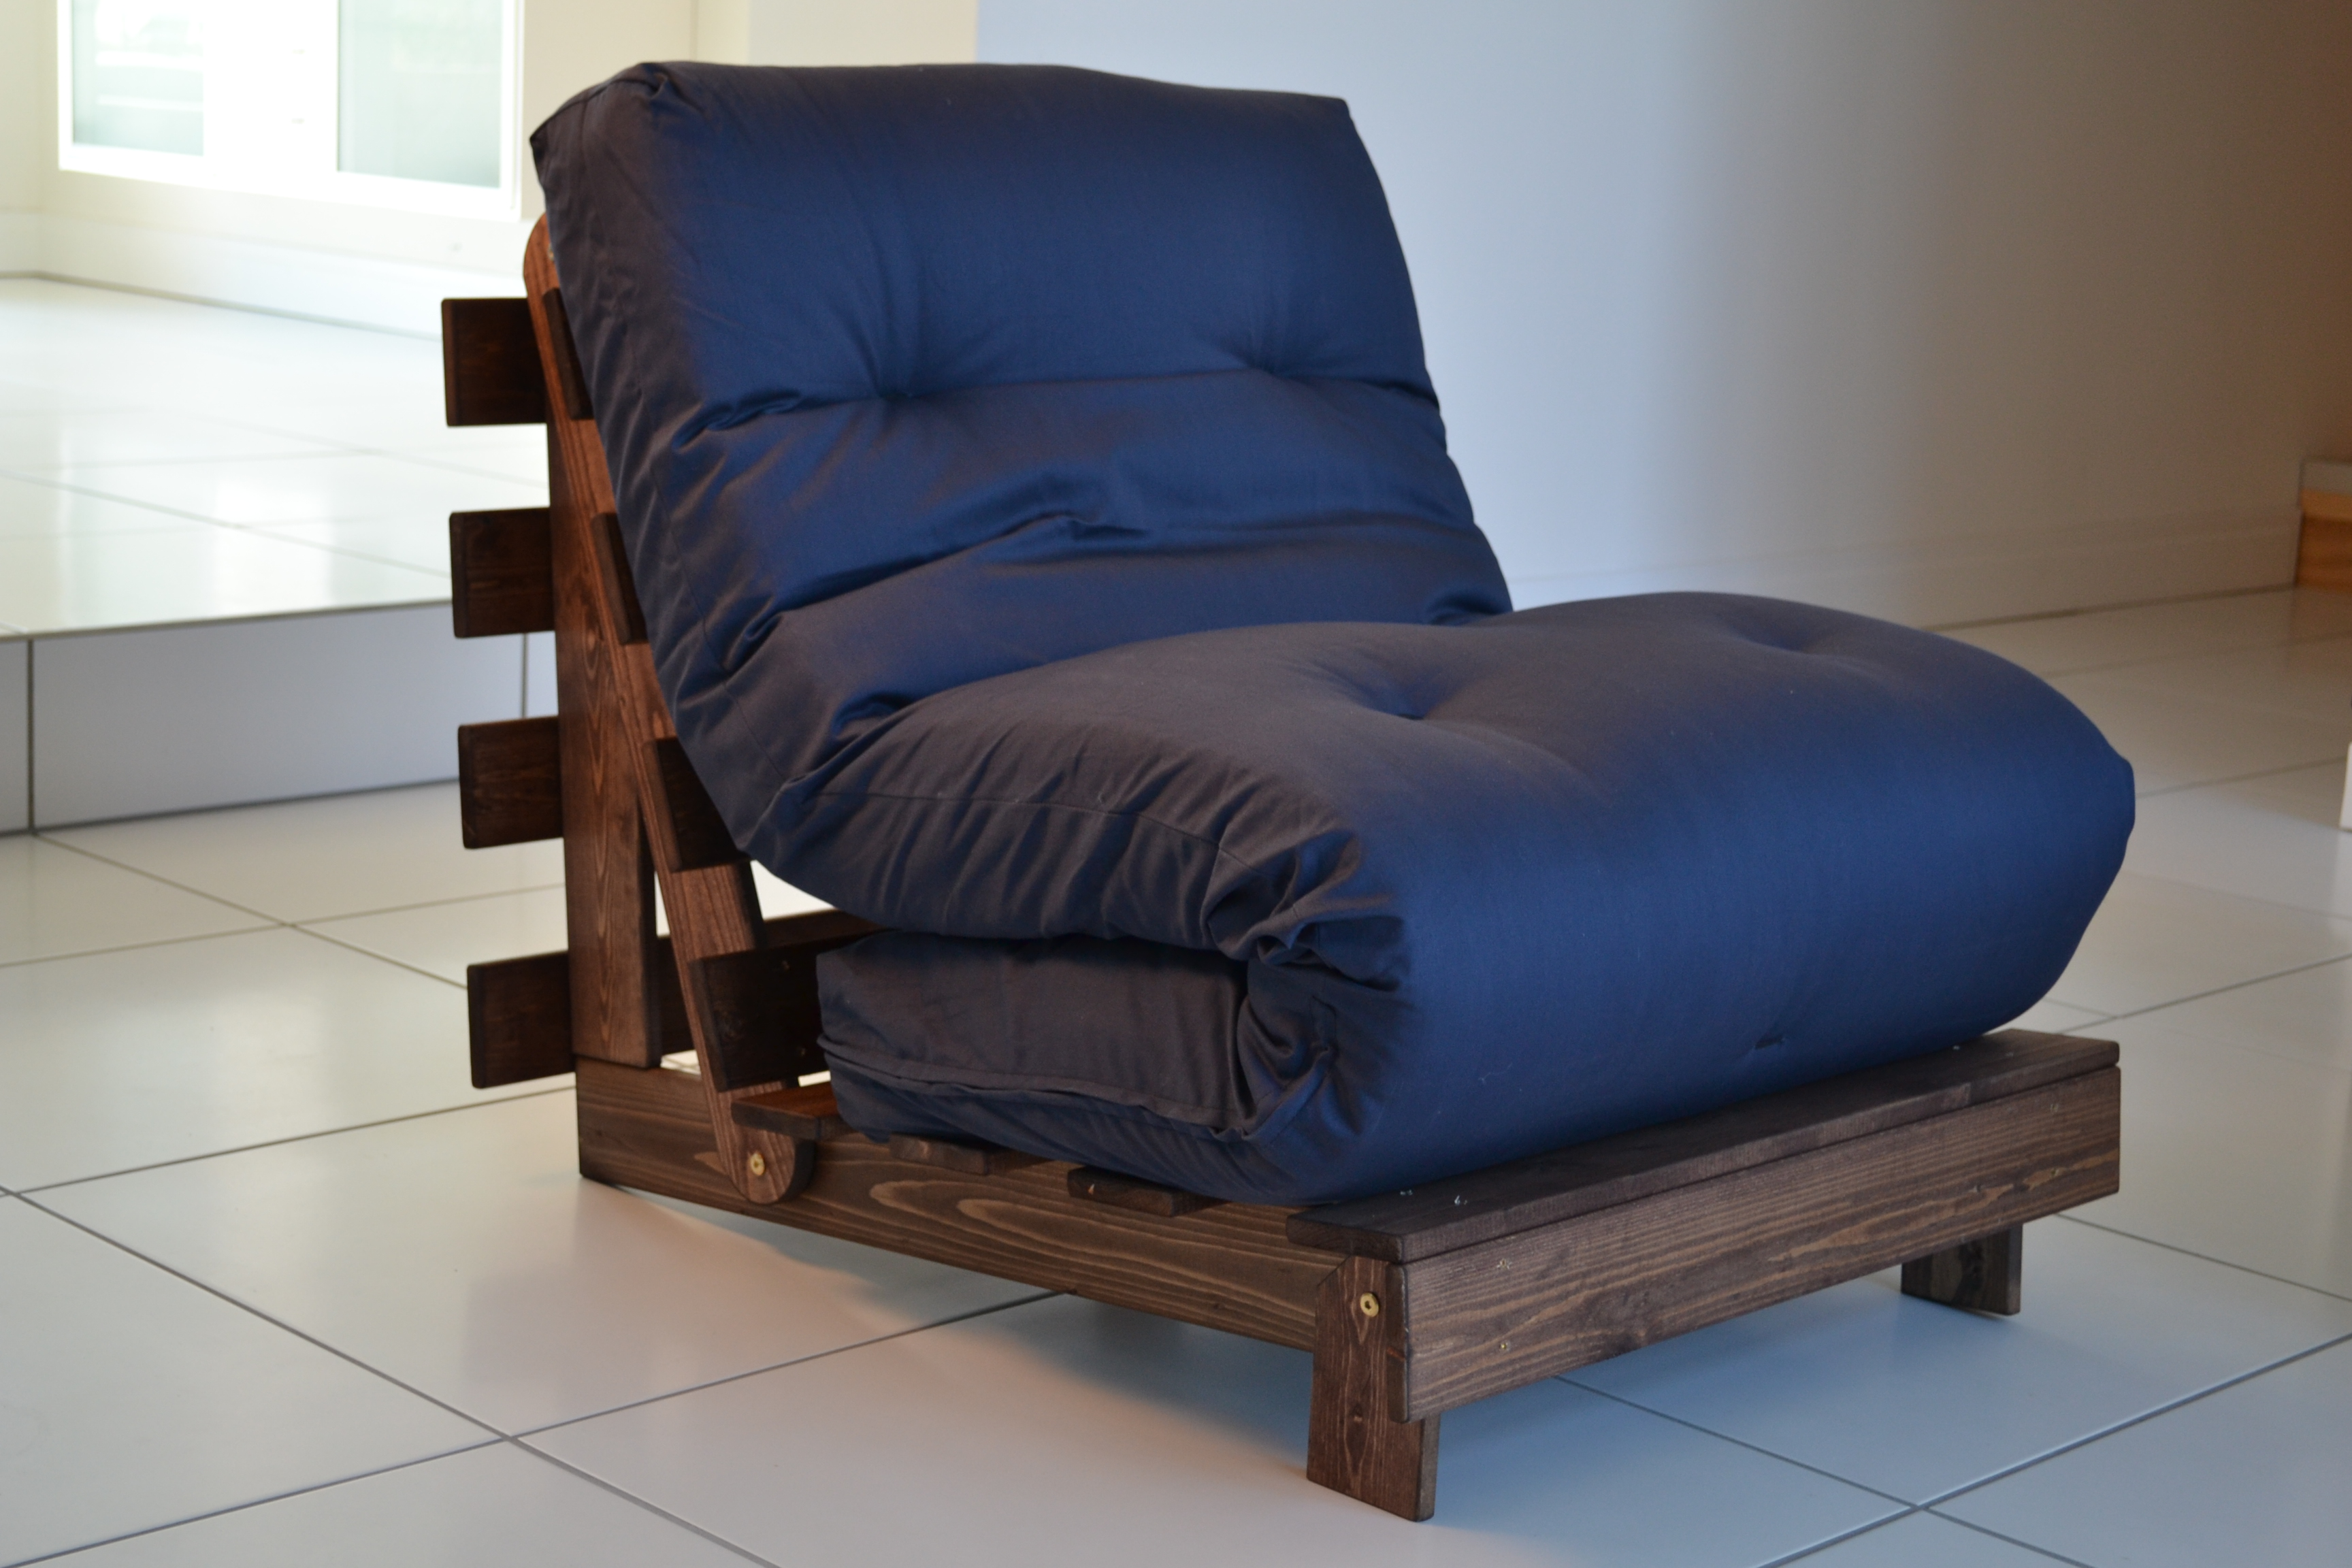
x=489 y=363
x=509 y=782
x=501 y=572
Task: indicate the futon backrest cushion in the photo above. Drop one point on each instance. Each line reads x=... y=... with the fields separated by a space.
x=912 y=376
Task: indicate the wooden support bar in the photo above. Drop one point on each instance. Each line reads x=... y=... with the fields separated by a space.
x=569 y=379
x=509 y=782
x=1523 y=1194
x=761 y=1013
x=1110 y=1188
x=619 y=583
x=954 y=1154
x=1491 y=1317
x=2324 y=554
x=489 y=363
x=805 y=1113
x=1985 y=1275
x=501 y=572
x=1229 y=1267
x=1353 y=1444
x=691 y=836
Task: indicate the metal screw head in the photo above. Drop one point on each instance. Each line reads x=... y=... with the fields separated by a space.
x=1506 y=1344
x=758 y=1163
x=1368 y=1304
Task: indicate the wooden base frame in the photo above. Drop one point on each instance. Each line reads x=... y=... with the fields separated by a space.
x=1412 y=1303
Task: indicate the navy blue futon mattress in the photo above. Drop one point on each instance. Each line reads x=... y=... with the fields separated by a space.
x=1049 y=550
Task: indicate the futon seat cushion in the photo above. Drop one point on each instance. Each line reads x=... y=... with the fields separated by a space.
x=1292 y=913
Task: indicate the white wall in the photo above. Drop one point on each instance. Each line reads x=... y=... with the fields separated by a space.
x=1941 y=308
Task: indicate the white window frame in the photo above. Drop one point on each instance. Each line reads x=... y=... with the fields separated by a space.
x=326 y=184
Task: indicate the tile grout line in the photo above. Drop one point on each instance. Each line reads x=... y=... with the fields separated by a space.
x=250 y=1503
x=246 y=1307
x=2218 y=991
x=646 y=1503
x=2139 y=1420
x=2203 y=1257
x=295 y=1138
x=2159 y=793
x=2010 y=1540
x=1905 y=1504
x=531 y=1432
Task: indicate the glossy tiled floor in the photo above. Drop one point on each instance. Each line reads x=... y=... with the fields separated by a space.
x=277 y=1287
x=163 y=462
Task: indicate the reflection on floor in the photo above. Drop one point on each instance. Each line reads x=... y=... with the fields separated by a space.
x=167 y=463
x=278 y=1287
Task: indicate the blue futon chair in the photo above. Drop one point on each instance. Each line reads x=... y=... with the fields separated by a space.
x=1010 y=504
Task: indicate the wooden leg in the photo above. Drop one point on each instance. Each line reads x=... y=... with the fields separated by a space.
x=1353 y=1444
x=1984 y=1276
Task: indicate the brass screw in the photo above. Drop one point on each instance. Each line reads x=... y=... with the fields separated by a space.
x=758 y=1163
x=1368 y=1304
x=1507 y=1344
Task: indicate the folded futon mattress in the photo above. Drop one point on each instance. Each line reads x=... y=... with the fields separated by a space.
x=1049 y=550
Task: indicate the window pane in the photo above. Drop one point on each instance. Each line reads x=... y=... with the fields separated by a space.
x=420 y=90
x=139 y=75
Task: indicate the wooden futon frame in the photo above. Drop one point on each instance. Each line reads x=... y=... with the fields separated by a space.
x=1413 y=1303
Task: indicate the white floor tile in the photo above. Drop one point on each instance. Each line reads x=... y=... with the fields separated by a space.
x=2155 y=941
x=2055 y=1018
x=465 y=1256
x=129 y=1399
x=30 y=508
x=2254 y=1473
x=1921 y=1540
x=2101 y=640
x=1047 y=1433
x=443 y=938
x=2273 y=838
x=281 y=491
x=54 y=902
x=2306 y=1017
x=62 y=438
x=418 y=539
x=2172 y=741
x=125 y=1059
x=1917 y=1400
x=64 y=582
x=498 y=1506
x=316 y=860
x=2244 y=1155
x=2309 y=679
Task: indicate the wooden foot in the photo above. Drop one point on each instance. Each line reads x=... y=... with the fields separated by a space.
x=1984 y=1276
x=1353 y=1444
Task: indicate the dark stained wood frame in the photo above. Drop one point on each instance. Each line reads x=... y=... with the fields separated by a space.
x=1412 y=1303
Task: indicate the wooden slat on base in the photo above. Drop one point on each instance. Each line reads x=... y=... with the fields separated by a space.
x=1491 y=1317
x=1228 y=1268
x=2323 y=557
x=518 y=1019
x=955 y=1155
x=1097 y=1186
x=807 y=1113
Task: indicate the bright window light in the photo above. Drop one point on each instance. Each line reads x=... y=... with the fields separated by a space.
x=407 y=104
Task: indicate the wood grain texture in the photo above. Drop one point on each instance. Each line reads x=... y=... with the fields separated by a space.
x=510 y=783
x=806 y=1113
x=956 y=1155
x=2324 y=558
x=501 y=572
x=1523 y=1194
x=518 y=1019
x=1985 y=1275
x=1491 y=1317
x=1099 y=1186
x=1353 y=1444
x=489 y=363
x=1227 y=1267
x=608 y=879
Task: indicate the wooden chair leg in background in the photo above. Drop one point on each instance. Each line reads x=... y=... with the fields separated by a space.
x=1985 y=1275
x=1352 y=1444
